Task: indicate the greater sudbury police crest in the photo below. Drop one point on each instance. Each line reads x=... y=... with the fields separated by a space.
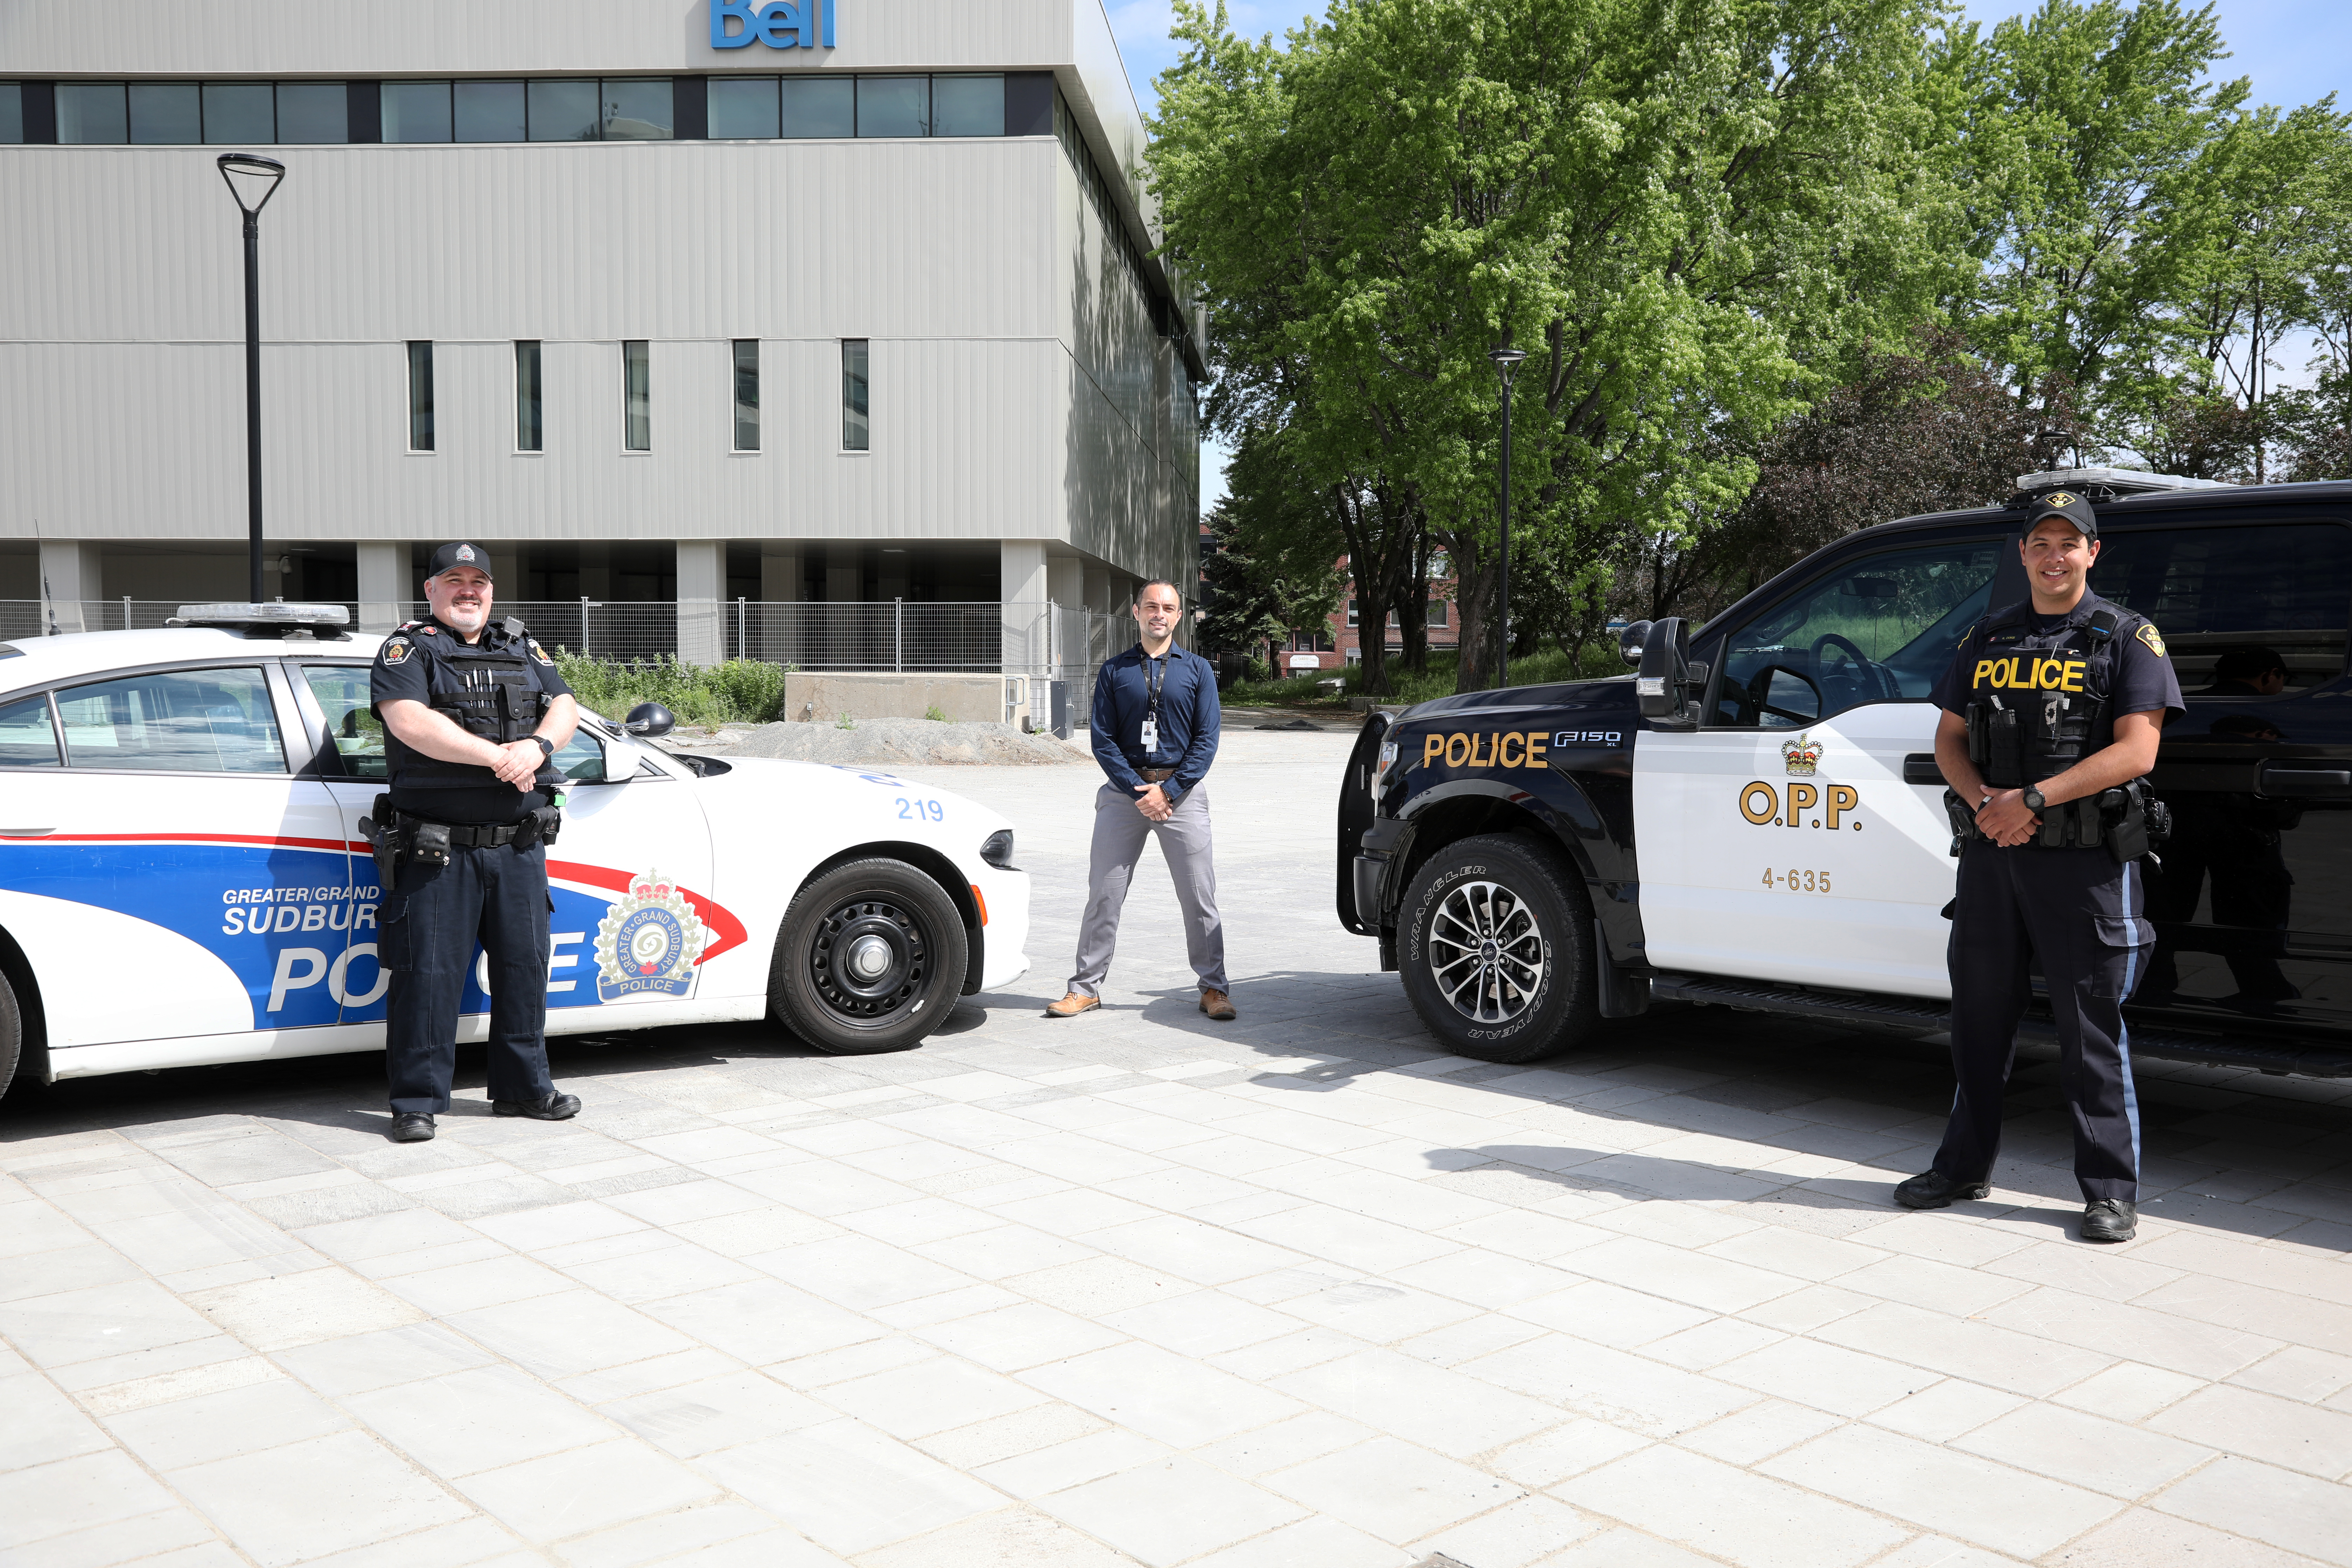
x=647 y=944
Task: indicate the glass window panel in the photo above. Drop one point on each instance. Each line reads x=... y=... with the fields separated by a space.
x=487 y=111
x=747 y=394
x=187 y=721
x=581 y=758
x=317 y=112
x=420 y=397
x=2217 y=594
x=417 y=111
x=91 y=111
x=563 y=110
x=819 y=106
x=743 y=107
x=894 y=106
x=165 y=111
x=967 y=106
x=27 y=739
x=855 y=431
x=529 y=436
x=637 y=109
x=242 y=112
x=12 y=112
x=1435 y=614
x=358 y=735
x=636 y=393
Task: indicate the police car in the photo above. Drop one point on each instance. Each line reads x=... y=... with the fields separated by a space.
x=1755 y=819
x=184 y=879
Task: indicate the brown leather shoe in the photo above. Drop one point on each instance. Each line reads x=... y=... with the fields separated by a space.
x=1071 y=1006
x=1217 y=1005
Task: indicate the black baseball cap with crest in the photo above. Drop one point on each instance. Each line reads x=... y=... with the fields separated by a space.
x=2071 y=505
x=460 y=554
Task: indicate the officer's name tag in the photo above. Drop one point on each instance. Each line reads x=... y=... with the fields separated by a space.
x=1150 y=734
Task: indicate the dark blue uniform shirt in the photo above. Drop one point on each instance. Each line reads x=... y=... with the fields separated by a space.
x=1187 y=719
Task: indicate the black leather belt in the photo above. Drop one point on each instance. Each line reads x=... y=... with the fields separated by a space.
x=1155 y=775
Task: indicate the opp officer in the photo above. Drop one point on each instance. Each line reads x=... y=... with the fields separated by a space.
x=1154 y=731
x=2053 y=708
x=473 y=714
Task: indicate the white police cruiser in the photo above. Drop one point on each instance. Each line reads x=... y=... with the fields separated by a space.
x=183 y=880
x=1756 y=820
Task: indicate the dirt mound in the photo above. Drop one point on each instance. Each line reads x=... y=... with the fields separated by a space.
x=907 y=742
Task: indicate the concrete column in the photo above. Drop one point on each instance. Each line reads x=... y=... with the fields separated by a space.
x=72 y=576
x=506 y=573
x=778 y=631
x=702 y=587
x=844 y=578
x=1021 y=573
x=1098 y=588
x=1066 y=583
x=384 y=592
x=780 y=578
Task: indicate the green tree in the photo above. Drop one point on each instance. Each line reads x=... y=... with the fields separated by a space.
x=1278 y=542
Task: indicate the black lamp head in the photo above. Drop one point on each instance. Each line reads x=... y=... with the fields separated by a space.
x=244 y=173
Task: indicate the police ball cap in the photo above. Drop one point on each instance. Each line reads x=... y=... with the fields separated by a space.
x=2070 y=505
x=459 y=554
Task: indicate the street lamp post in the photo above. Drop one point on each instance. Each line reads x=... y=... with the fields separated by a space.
x=1506 y=361
x=260 y=175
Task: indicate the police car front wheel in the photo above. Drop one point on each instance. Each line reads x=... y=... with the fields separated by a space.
x=12 y=1034
x=1497 y=952
x=871 y=958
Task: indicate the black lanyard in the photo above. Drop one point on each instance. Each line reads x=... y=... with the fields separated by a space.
x=1155 y=675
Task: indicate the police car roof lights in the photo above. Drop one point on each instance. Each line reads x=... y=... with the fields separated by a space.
x=274 y=619
x=2117 y=482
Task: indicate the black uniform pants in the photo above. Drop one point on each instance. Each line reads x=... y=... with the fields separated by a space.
x=2080 y=914
x=429 y=926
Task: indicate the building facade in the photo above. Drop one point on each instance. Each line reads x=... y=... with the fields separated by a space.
x=835 y=303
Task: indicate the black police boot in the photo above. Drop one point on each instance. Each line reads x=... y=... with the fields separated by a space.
x=554 y=1108
x=2109 y=1219
x=1935 y=1190
x=410 y=1127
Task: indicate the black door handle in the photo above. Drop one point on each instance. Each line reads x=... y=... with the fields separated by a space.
x=2304 y=781
x=1920 y=768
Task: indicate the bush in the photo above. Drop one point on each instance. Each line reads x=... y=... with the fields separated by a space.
x=739 y=692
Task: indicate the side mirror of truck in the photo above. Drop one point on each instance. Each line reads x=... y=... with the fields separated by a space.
x=1629 y=642
x=1667 y=686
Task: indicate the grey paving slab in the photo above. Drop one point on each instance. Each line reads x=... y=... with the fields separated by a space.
x=1141 y=1288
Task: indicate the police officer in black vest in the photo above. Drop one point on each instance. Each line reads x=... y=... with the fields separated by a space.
x=2053 y=708
x=474 y=712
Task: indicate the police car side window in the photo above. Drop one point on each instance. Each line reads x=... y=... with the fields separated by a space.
x=27 y=739
x=358 y=735
x=173 y=720
x=581 y=758
x=2236 y=604
x=1879 y=629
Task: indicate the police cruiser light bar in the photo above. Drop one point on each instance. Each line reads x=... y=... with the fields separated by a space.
x=2121 y=482
x=279 y=613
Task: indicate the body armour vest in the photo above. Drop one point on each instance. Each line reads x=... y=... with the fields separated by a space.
x=487 y=690
x=2038 y=700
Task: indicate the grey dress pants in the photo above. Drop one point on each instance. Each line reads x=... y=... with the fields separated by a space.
x=1120 y=832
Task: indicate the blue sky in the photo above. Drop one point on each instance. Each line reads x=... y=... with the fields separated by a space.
x=2294 y=51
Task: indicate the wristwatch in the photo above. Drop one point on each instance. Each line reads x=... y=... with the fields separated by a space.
x=545 y=744
x=2033 y=801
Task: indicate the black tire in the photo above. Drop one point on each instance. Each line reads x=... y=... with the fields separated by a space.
x=12 y=1035
x=881 y=911
x=1495 y=944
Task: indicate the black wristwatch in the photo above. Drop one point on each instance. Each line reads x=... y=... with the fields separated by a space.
x=2033 y=801
x=545 y=744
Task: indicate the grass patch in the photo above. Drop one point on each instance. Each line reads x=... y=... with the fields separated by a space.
x=1548 y=665
x=739 y=692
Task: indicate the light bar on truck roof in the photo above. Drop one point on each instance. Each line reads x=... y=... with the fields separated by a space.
x=2118 y=481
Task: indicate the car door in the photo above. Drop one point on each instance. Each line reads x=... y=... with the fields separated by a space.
x=1791 y=837
x=167 y=870
x=627 y=879
x=2252 y=899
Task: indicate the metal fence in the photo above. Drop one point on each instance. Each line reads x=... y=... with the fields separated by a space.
x=1055 y=641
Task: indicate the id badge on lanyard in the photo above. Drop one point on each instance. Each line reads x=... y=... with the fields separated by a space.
x=1152 y=676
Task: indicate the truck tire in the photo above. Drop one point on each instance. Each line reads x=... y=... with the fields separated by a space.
x=12 y=1035
x=871 y=958
x=1495 y=944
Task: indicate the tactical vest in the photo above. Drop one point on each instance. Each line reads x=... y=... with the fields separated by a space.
x=486 y=688
x=2039 y=702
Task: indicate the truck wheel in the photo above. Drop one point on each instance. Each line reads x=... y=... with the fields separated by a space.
x=12 y=1035
x=1496 y=949
x=871 y=958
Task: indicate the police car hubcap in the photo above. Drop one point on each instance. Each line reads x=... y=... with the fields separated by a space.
x=870 y=958
x=1486 y=952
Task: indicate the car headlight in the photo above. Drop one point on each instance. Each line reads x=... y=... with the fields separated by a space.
x=997 y=849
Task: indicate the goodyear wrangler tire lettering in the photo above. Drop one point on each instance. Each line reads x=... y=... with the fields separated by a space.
x=1520 y=897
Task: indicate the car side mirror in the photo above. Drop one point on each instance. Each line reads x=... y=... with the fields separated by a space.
x=1668 y=681
x=650 y=720
x=1629 y=642
x=622 y=758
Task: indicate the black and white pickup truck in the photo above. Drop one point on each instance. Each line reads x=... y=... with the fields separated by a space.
x=1753 y=818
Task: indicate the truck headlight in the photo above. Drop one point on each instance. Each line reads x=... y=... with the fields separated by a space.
x=997 y=849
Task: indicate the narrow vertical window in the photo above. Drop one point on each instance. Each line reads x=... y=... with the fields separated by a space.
x=420 y=397
x=855 y=431
x=747 y=394
x=528 y=434
x=637 y=396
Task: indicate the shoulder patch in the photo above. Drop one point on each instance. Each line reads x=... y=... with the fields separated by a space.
x=428 y=629
x=395 y=651
x=2148 y=634
x=538 y=652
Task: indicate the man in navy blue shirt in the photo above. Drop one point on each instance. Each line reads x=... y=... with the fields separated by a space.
x=1155 y=733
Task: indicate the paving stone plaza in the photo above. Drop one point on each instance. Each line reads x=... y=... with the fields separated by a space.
x=1136 y=1287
